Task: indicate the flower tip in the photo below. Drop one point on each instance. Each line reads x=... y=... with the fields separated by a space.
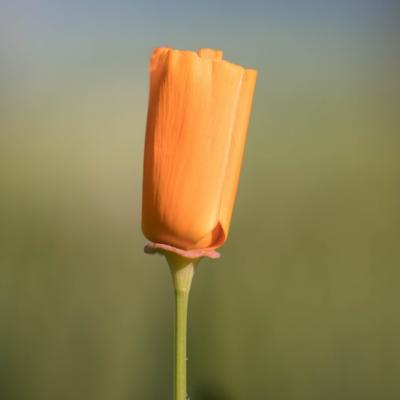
x=214 y=54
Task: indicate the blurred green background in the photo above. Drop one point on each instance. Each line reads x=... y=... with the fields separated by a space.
x=304 y=303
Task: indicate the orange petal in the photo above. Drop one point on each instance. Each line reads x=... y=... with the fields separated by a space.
x=190 y=144
x=237 y=148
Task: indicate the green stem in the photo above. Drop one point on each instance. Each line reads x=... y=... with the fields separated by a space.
x=182 y=270
x=181 y=300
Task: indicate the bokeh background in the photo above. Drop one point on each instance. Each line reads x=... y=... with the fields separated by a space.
x=304 y=303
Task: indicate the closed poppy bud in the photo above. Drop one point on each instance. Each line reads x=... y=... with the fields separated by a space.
x=198 y=114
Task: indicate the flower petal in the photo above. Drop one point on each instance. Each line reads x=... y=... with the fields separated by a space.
x=199 y=107
x=237 y=148
x=192 y=108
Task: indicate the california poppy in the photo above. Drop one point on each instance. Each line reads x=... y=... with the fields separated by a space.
x=198 y=114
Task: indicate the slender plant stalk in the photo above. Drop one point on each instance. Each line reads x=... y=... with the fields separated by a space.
x=182 y=270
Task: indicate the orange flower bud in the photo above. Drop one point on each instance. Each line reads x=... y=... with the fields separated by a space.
x=198 y=114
